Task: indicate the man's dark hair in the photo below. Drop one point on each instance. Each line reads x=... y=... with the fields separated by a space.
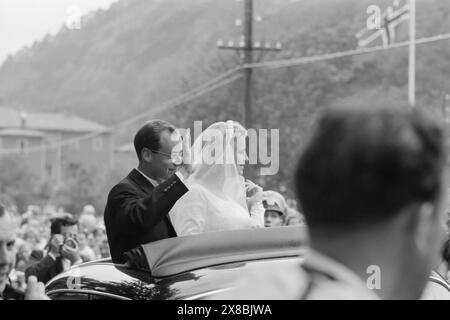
x=2 y=210
x=149 y=136
x=363 y=166
x=58 y=223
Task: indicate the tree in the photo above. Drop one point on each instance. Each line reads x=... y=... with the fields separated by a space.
x=18 y=185
x=82 y=186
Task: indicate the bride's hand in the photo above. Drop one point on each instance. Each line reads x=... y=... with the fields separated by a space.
x=186 y=167
x=254 y=193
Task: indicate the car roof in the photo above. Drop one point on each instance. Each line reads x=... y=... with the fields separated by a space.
x=185 y=253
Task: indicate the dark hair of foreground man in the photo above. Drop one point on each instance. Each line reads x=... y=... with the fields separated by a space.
x=371 y=184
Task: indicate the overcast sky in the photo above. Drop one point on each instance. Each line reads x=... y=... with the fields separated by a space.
x=24 y=21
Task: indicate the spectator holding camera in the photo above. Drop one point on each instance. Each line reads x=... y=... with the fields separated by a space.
x=63 y=250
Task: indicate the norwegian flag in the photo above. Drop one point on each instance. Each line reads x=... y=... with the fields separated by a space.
x=390 y=19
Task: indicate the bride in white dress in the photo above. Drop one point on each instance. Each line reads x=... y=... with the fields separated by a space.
x=216 y=199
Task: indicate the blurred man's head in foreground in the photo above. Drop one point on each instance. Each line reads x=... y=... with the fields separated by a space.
x=371 y=185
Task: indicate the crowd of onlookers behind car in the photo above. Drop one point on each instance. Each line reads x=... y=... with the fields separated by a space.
x=35 y=236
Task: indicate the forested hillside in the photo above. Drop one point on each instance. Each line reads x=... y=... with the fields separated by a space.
x=143 y=52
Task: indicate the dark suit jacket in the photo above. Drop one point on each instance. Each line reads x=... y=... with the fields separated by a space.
x=35 y=257
x=45 y=269
x=11 y=293
x=137 y=213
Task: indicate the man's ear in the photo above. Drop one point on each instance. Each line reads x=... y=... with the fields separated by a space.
x=146 y=155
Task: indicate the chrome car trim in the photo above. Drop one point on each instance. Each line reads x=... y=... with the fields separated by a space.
x=98 y=293
x=96 y=261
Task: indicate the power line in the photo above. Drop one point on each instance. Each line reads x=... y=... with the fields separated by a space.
x=222 y=80
x=330 y=56
x=207 y=87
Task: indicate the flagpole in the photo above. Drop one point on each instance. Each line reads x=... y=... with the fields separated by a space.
x=412 y=54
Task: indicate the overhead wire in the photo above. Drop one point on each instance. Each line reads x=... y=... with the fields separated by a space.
x=226 y=78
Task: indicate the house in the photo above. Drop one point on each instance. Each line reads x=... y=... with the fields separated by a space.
x=125 y=158
x=50 y=142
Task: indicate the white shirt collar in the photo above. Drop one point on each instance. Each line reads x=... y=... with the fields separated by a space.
x=153 y=182
x=343 y=277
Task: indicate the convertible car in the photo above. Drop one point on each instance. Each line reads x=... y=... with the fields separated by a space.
x=189 y=267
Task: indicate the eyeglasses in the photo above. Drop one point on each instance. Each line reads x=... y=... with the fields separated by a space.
x=176 y=157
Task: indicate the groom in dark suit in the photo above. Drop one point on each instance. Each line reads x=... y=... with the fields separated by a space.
x=137 y=208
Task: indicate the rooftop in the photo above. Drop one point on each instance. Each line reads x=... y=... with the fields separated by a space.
x=12 y=119
x=124 y=148
x=21 y=133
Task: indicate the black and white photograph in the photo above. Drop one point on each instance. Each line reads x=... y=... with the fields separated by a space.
x=237 y=152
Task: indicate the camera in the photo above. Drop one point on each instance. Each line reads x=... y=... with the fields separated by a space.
x=70 y=242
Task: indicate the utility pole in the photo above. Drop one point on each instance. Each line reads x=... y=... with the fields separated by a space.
x=412 y=55
x=446 y=109
x=248 y=59
x=247 y=46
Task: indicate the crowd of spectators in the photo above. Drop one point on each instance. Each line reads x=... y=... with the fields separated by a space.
x=34 y=239
x=280 y=211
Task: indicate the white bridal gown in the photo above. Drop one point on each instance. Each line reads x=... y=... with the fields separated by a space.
x=200 y=210
x=216 y=199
